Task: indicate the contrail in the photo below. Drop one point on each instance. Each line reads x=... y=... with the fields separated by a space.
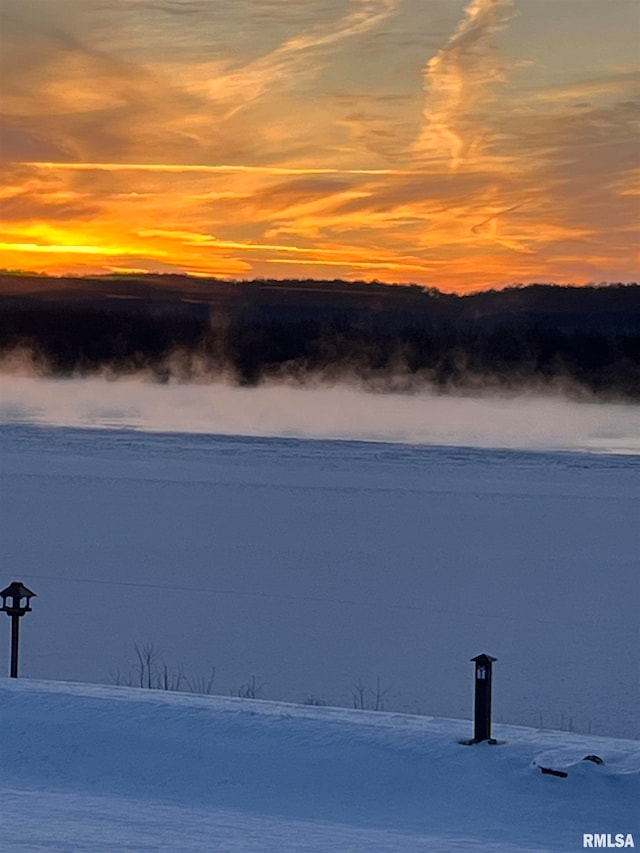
x=455 y=79
x=205 y=168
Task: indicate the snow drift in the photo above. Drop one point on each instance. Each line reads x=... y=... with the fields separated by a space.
x=105 y=769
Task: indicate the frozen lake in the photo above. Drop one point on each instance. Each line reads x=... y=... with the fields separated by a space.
x=314 y=565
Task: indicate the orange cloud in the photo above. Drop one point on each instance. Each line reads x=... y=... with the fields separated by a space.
x=416 y=141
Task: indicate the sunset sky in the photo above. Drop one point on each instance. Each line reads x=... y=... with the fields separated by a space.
x=460 y=144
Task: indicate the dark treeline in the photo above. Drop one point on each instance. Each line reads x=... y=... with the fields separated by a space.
x=585 y=339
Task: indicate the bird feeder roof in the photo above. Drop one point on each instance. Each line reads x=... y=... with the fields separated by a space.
x=17 y=588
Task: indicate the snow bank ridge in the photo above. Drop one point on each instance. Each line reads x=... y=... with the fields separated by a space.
x=247 y=775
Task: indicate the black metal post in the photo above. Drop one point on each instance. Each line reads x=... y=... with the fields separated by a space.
x=15 y=640
x=482 y=700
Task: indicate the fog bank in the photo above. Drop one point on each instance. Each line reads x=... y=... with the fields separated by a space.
x=338 y=412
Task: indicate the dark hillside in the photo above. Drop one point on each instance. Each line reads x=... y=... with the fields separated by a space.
x=390 y=337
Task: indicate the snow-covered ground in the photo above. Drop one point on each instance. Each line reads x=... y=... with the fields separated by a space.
x=326 y=570
x=88 y=768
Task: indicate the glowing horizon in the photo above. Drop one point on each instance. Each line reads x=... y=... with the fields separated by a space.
x=457 y=144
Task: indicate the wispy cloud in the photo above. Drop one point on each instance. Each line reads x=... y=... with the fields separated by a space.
x=617 y=84
x=237 y=85
x=458 y=80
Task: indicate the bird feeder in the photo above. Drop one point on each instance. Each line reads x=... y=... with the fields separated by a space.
x=16 y=601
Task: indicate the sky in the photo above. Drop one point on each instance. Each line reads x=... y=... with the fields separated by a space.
x=458 y=144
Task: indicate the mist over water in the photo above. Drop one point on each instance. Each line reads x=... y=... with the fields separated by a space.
x=529 y=421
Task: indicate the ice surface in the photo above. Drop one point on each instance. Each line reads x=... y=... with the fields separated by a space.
x=317 y=564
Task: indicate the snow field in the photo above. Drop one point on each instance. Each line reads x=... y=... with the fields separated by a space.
x=90 y=768
x=317 y=565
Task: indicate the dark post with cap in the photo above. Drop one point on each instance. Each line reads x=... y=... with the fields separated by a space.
x=20 y=604
x=482 y=703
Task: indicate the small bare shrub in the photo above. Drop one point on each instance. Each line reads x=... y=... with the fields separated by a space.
x=316 y=701
x=151 y=673
x=366 y=699
x=202 y=684
x=250 y=690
